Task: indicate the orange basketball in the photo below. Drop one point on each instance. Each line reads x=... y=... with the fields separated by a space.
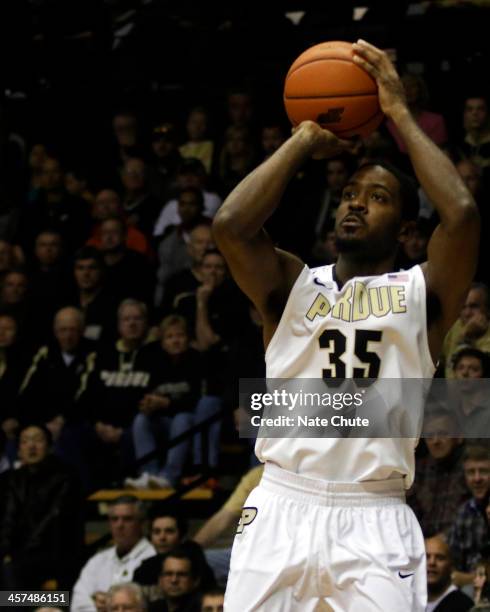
x=326 y=86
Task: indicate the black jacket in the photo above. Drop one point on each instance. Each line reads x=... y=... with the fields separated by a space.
x=456 y=601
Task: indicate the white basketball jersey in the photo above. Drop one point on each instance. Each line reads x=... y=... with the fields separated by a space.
x=374 y=327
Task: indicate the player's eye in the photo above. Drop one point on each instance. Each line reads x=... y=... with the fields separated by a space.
x=348 y=195
x=378 y=197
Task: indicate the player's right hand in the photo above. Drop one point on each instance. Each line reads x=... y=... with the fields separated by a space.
x=322 y=143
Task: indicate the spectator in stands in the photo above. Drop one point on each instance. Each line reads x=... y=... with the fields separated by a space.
x=172 y=251
x=198 y=145
x=37 y=156
x=191 y=175
x=128 y=274
x=7 y=258
x=107 y=204
x=125 y=597
x=237 y=157
x=469 y=532
x=125 y=130
x=76 y=184
x=179 y=581
x=471 y=174
x=41 y=529
x=481 y=582
x=168 y=528
x=272 y=137
x=442 y=595
x=213 y=601
x=142 y=208
x=440 y=486
x=325 y=249
x=221 y=522
x=166 y=161
x=414 y=249
x=54 y=208
x=92 y=296
x=240 y=108
x=417 y=96
x=471 y=329
x=476 y=124
x=187 y=281
x=175 y=375
x=113 y=391
x=116 y=564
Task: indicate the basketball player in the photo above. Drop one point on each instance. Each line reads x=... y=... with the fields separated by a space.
x=327 y=528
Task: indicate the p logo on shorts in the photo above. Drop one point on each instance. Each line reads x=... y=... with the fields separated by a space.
x=248 y=516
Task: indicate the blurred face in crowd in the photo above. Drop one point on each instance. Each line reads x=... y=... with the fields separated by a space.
x=87 y=274
x=51 y=175
x=126 y=526
x=468 y=366
x=237 y=141
x=125 y=130
x=189 y=207
x=134 y=175
x=330 y=246
x=200 y=239
x=439 y=565
x=437 y=439
x=176 y=580
x=476 y=302
x=132 y=323
x=8 y=331
x=37 y=156
x=213 y=603
x=475 y=114
x=337 y=176
x=33 y=445
x=164 y=533
x=197 y=125
x=239 y=108
x=75 y=186
x=272 y=139
x=412 y=89
x=415 y=246
x=124 y=600
x=477 y=475
x=175 y=340
x=107 y=203
x=14 y=288
x=164 y=140
x=213 y=269
x=6 y=255
x=471 y=175
x=112 y=235
x=193 y=180
x=48 y=248
x=68 y=329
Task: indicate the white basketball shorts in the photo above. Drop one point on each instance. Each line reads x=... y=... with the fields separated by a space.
x=305 y=545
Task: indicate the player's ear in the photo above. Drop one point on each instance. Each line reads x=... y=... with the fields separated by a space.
x=406 y=230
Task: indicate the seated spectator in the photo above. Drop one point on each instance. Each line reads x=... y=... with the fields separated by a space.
x=476 y=125
x=272 y=137
x=240 y=107
x=198 y=145
x=141 y=207
x=470 y=398
x=179 y=582
x=325 y=249
x=221 y=522
x=15 y=301
x=92 y=295
x=471 y=329
x=191 y=175
x=481 y=582
x=125 y=128
x=128 y=274
x=440 y=486
x=414 y=249
x=166 y=162
x=54 y=208
x=172 y=250
x=417 y=96
x=175 y=375
x=116 y=564
x=167 y=530
x=37 y=156
x=213 y=601
x=113 y=391
x=237 y=157
x=76 y=184
x=126 y=596
x=41 y=529
x=187 y=281
x=442 y=595
x=7 y=258
x=469 y=532
x=107 y=204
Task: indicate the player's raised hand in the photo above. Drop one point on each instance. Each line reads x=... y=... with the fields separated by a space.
x=322 y=143
x=381 y=68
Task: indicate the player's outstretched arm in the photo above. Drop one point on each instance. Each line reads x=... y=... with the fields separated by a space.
x=266 y=274
x=453 y=248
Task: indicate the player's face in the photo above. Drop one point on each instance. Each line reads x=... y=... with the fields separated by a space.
x=176 y=579
x=368 y=220
x=164 y=533
x=438 y=563
x=477 y=475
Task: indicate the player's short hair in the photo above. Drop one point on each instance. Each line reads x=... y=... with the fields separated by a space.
x=470 y=351
x=476 y=452
x=408 y=188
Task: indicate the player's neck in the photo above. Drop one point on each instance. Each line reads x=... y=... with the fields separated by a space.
x=348 y=267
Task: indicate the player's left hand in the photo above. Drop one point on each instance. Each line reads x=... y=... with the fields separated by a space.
x=380 y=67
